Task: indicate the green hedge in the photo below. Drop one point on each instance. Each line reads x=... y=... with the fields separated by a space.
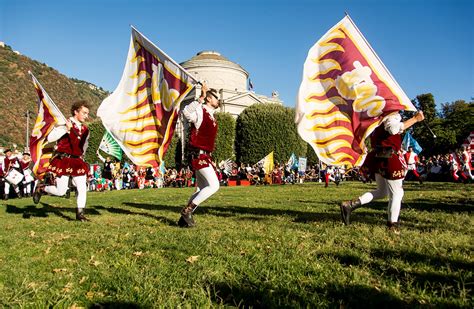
x=262 y=128
x=225 y=137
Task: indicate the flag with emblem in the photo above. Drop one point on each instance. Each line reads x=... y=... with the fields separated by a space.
x=345 y=93
x=141 y=113
x=48 y=117
x=110 y=146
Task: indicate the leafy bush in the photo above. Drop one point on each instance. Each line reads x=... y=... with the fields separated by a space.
x=263 y=128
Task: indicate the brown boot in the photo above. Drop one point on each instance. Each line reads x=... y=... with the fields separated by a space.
x=347 y=207
x=80 y=215
x=187 y=216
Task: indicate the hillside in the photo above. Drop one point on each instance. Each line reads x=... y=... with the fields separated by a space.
x=17 y=94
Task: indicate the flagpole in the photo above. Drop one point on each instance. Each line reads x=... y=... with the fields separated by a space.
x=171 y=59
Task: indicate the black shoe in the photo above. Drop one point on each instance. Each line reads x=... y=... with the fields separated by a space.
x=37 y=194
x=68 y=194
x=393 y=227
x=182 y=222
x=187 y=215
x=347 y=207
x=5 y=197
x=80 y=215
x=346 y=212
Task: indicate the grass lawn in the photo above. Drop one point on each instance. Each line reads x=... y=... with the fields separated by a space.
x=274 y=246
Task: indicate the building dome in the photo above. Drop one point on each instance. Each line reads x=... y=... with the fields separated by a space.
x=218 y=71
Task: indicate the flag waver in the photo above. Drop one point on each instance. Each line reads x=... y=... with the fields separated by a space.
x=345 y=93
x=141 y=113
x=49 y=116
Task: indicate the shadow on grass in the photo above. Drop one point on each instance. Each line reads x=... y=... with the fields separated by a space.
x=414 y=257
x=254 y=213
x=118 y=305
x=438 y=279
x=122 y=211
x=45 y=210
x=330 y=295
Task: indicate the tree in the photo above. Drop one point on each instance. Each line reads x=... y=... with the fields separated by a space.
x=458 y=116
x=426 y=103
x=263 y=128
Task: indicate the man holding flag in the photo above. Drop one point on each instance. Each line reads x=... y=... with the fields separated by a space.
x=68 y=159
x=202 y=144
x=346 y=95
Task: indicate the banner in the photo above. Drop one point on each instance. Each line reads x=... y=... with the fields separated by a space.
x=110 y=146
x=410 y=141
x=302 y=165
x=292 y=162
x=345 y=93
x=141 y=113
x=49 y=116
x=267 y=163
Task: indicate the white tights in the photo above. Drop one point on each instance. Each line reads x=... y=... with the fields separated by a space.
x=61 y=187
x=392 y=188
x=207 y=185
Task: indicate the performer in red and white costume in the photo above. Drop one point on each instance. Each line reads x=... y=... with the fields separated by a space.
x=466 y=162
x=12 y=165
x=412 y=161
x=67 y=161
x=28 y=182
x=201 y=145
x=456 y=166
x=387 y=163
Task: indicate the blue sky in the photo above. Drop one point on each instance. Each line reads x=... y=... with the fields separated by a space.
x=427 y=45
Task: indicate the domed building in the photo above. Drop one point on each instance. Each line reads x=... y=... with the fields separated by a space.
x=227 y=77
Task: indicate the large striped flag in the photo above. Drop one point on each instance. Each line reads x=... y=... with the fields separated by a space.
x=49 y=116
x=345 y=93
x=141 y=113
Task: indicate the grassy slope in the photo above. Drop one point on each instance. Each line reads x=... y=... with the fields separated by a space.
x=256 y=246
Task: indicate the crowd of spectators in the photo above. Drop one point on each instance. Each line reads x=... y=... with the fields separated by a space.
x=115 y=176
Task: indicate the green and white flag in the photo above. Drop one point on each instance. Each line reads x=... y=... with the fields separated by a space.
x=110 y=146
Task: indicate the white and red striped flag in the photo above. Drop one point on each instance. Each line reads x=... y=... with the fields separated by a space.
x=141 y=113
x=345 y=93
x=49 y=116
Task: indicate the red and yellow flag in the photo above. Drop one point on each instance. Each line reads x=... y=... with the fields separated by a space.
x=345 y=93
x=49 y=116
x=141 y=113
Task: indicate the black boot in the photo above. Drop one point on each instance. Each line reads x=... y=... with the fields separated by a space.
x=394 y=227
x=347 y=207
x=187 y=219
x=39 y=190
x=80 y=215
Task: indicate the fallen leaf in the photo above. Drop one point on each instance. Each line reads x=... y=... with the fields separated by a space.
x=68 y=287
x=90 y=295
x=58 y=270
x=32 y=233
x=47 y=250
x=138 y=253
x=83 y=279
x=192 y=259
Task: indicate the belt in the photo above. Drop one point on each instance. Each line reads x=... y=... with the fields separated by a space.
x=66 y=155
